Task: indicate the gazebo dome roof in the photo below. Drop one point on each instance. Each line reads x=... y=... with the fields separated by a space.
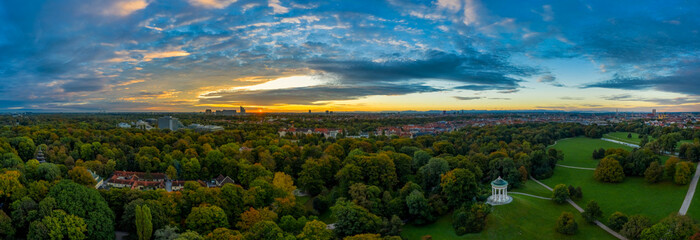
x=499 y=182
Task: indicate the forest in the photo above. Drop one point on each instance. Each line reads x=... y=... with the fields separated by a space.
x=291 y=187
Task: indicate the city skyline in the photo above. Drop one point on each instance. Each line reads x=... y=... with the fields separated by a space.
x=395 y=55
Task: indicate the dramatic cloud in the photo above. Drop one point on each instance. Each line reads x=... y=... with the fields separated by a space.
x=466 y=98
x=186 y=54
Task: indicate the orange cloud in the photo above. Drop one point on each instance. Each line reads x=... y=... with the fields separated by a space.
x=125 y=8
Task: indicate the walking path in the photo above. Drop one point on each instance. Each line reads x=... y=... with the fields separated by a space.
x=601 y=225
x=691 y=192
x=582 y=168
x=620 y=142
x=526 y=194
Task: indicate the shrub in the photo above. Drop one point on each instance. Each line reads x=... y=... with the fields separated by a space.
x=654 y=173
x=566 y=224
x=560 y=193
x=471 y=219
x=592 y=212
x=617 y=220
x=634 y=226
x=609 y=170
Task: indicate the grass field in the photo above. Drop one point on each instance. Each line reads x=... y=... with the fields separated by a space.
x=633 y=196
x=622 y=137
x=524 y=218
x=694 y=209
x=578 y=151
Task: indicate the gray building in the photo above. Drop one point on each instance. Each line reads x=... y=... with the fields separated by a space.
x=242 y=110
x=228 y=112
x=169 y=122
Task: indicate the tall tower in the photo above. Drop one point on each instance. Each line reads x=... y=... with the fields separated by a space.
x=242 y=110
x=653 y=112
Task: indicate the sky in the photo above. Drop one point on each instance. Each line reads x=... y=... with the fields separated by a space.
x=360 y=55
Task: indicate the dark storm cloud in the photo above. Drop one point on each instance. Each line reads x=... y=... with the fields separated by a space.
x=686 y=81
x=470 y=67
x=466 y=98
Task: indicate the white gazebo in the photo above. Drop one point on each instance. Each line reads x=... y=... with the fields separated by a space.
x=499 y=192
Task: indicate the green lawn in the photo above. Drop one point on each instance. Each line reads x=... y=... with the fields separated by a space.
x=622 y=136
x=633 y=196
x=524 y=218
x=578 y=151
x=694 y=209
x=533 y=188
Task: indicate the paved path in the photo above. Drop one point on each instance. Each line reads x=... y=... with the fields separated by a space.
x=691 y=192
x=582 y=168
x=526 y=194
x=620 y=142
x=601 y=225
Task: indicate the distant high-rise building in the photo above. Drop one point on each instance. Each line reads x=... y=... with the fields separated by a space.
x=327 y=111
x=653 y=112
x=168 y=122
x=242 y=110
x=207 y=112
x=309 y=110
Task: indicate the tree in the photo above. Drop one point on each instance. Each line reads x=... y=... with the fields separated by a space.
x=634 y=226
x=609 y=170
x=266 y=230
x=58 y=225
x=471 y=219
x=48 y=172
x=654 y=173
x=86 y=203
x=144 y=225
x=670 y=166
x=393 y=226
x=566 y=224
x=9 y=184
x=560 y=193
x=629 y=135
x=252 y=216
x=592 y=212
x=420 y=158
x=673 y=227
x=617 y=220
x=129 y=221
x=166 y=233
x=284 y=183
x=431 y=172
x=459 y=185
x=352 y=219
x=506 y=169
x=224 y=234
x=418 y=208
x=82 y=176
x=315 y=230
x=7 y=231
x=204 y=219
x=171 y=172
x=683 y=173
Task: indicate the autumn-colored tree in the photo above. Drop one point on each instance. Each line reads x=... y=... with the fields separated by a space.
x=9 y=183
x=315 y=230
x=654 y=173
x=171 y=172
x=670 y=166
x=252 y=216
x=459 y=185
x=566 y=224
x=609 y=170
x=683 y=173
x=81 y=175
x=284 y=182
